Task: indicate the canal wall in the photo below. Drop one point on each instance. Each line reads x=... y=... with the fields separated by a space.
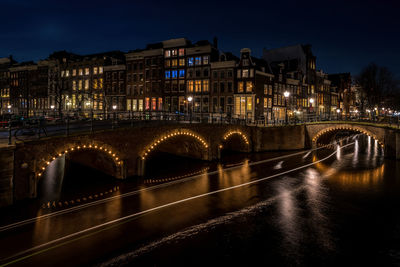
x=6 y=175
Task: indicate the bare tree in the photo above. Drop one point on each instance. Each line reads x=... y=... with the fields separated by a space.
x=377 y=84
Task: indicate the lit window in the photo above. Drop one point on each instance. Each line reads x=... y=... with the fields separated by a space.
x=74 y=85
x=198 y=60
x=86 y=84
x=101 y=83
x=94 y=83
x=190 y=86
x=95 y=70
x=67 y=73
x=167 y=75
x=80 y=85
x=140 y=107
x=153 y=103
x=62 y=73
x=249 y=86
x=181 y=62
x=147 y=103
x=245 y=73
x=167 y=63
x=190 y=61
x=197 y=87
x=240 y=87
x=74 y=72
x=249 y=103
x=86 y=71
x=181 y=73
x=174 y=63
x=205 y=60
x=174 y=52
x=80 y=72
x=205 y=86
x=134 y=104
x=100 y=70
x=174 y=74
x=160 y=102
x=181 y=51
x=167 y=53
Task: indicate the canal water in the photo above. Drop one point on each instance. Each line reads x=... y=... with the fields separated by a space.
x=344 y=211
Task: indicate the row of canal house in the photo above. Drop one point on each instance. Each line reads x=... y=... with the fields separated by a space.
x=175 y=76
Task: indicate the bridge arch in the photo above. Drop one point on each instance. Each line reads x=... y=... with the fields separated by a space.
x=353 y=128
x=105 y=149
x=232 y=133
x=171 y=134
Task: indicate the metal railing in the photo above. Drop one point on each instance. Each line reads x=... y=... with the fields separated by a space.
x=68 y=124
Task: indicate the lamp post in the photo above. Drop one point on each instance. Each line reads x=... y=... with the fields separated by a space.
x=286 y=95
x=338 y=112
x=356 y=112
x=114 y=107
x=54 y=112
x=369 y=114
x=190 y=99
x=311 y=103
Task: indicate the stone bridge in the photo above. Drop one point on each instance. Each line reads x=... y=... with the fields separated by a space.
x=124 y=152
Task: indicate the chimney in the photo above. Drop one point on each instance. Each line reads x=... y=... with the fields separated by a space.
x=215 y=42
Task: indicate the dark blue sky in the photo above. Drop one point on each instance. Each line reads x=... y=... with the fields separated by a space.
x=346 y=35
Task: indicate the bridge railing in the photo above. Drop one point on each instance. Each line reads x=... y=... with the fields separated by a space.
x=38 y=127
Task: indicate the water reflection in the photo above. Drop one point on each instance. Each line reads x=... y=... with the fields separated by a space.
x=51 y=183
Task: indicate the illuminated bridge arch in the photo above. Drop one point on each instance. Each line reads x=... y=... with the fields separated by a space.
x=346 y=128
x=159 y=140
x=238 y=133
x=73 y=148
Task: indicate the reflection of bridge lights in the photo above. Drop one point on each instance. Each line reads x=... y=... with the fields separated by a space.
x=52 y=158
x=242 y=135
x=165 y=137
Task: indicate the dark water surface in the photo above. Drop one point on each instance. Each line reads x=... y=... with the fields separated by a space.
x=342 y=211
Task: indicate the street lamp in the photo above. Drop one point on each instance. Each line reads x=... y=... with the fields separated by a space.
x=114 y=107
x=286 y=94
x=54 y=112
x=190 y=99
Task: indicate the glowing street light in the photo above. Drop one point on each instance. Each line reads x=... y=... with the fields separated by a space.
x=190 y=99
x=114 y=107
x=311 y=100
x=286 y=94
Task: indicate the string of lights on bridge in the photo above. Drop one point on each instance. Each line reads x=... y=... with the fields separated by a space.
x=242 y=135
x=161 y=180
x=54 y=204
x=318 y=135
x=112 y=154
x=170 y=135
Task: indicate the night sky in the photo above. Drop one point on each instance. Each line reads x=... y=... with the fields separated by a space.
x=346 y=35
